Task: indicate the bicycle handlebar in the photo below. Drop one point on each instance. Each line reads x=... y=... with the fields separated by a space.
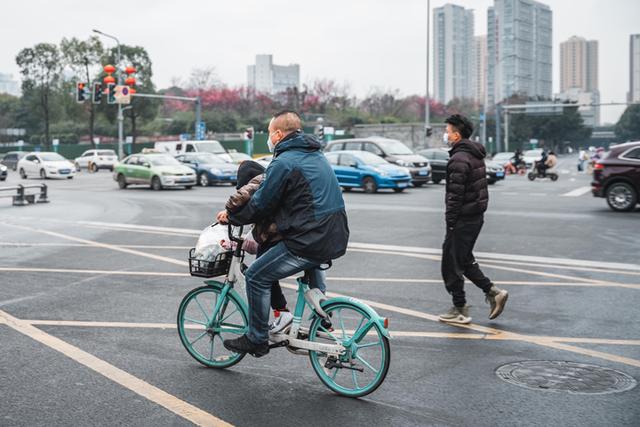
x=232 y=237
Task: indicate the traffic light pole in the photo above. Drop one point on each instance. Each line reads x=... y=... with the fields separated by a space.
x=427 y=124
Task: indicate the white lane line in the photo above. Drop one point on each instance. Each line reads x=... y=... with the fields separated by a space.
x=577 y=192
x=414 y=249
x=117 y=375
x=394 y=334
x=85 y=245
x=406 y=311
x=382 y=280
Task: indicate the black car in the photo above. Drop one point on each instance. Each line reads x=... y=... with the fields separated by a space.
x=392 y=151
x=617 y=177
x=438 y=158
x=11 y=159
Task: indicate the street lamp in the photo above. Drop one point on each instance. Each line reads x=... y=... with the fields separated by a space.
x=427 y=123
x=119 y=75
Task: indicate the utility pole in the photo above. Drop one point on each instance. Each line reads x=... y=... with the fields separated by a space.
x=427 y=123
x=120 y=115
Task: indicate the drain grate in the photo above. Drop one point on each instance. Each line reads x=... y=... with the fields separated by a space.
x=575 y=378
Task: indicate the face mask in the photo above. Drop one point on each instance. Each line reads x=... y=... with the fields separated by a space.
x=270 y=144
x=445 y=138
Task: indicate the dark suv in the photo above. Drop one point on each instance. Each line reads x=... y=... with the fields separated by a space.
x=11 y=159
x=617 y=177
x=392 y=151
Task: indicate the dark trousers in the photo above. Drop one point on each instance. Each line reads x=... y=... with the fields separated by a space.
x=278 y=300
x=458 y=261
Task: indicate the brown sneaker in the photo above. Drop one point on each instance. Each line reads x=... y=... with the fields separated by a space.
x=497 y=299
x=456 y=315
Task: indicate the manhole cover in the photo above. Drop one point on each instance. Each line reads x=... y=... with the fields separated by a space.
x=575 y=378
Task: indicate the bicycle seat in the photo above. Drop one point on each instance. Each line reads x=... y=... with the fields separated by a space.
x=314 y=297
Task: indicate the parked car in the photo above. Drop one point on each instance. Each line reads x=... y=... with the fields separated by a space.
x=532 y=156
x=12 y=158
x=265 y=161
x=94 y=160
x=179 y=147
x=392 y=151
x=238 y=158
x=495 y=171
x=210 y=169
x=438 y=159
x=361 y=169
x=617 y=177
x=46 y=164
x=3 y=172
x=158 y=170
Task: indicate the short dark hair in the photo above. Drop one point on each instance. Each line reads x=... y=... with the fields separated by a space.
x=287 y=120
x=461 y=124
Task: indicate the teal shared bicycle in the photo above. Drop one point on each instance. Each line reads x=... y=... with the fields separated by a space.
x=346 y=340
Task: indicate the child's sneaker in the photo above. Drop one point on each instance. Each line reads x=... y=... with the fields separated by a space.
x=282 y=321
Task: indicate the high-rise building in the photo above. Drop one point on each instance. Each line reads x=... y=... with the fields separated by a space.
x=519 y=49
x=8 y=85
x=634 y=68
x=266 y=77
x=480 y=68
x=579 y=64
x=453 y=43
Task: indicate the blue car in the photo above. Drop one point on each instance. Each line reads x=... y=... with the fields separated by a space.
x=211 y=169
x=361 y=169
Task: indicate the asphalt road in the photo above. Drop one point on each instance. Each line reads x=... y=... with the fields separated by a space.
x=90 y=284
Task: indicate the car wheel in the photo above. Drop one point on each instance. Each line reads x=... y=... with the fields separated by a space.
x=347 y=189
x=15 y=167
x=93 y=167
x=437 y=181
x=369 y=185
x=69 y=177
x=122 y=182
x=77 y=165
x=621 y=197
x=491 y=181
x=156 y=184
x=203 y=179
x=398 y=190
x=43 y=174
x=23 y=174
x=188 y=187
x=418 y=184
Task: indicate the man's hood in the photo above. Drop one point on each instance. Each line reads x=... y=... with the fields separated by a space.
x=472 y=147
x=298 y=141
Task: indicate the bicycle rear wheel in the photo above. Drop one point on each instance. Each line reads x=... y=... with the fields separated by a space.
x=365 y=363
x=202 y=330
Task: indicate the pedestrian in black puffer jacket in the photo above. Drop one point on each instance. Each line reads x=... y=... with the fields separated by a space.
x=467 y=198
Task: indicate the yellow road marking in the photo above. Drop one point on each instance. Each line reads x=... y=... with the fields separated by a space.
x=383 y=306
x=395 y=334
x=117 y=375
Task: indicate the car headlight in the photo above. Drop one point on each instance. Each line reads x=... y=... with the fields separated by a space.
x=3 y=168
x=216 y=171
x=403 y=163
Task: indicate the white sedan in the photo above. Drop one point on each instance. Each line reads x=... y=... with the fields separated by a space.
x=94 y=160
x=46 y=165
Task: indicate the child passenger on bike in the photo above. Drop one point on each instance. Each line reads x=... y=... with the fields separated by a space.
x=264 y=236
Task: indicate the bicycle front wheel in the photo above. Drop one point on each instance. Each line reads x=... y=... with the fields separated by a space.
x=364 y=364
x=202 y=329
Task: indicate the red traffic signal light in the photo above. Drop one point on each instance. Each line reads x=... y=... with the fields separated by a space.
x=81 y=92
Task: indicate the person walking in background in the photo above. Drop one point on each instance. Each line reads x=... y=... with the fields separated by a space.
x=467 y=198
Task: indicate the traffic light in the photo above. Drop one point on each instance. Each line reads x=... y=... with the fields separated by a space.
x=81 y=92
x=429 y=131
x=111 y=93
x=97 y=93
x=248 y=134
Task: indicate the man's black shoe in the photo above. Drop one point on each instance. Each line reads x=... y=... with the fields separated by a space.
x=244 y=345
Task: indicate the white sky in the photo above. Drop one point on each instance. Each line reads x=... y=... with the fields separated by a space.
x=366 y=43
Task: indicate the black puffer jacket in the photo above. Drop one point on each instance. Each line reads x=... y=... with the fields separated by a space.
x=467 y=196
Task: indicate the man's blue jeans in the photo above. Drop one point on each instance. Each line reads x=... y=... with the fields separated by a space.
x=275 y=264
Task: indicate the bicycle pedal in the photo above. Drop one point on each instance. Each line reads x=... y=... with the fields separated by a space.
x=279 y=344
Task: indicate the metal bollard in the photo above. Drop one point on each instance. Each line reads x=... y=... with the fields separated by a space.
x=19 y=199
x=43 y=194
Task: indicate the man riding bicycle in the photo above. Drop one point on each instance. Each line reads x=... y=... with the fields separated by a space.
x=301 y=192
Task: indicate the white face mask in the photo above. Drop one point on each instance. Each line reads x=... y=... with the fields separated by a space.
x=445 y=138
x=270 y=144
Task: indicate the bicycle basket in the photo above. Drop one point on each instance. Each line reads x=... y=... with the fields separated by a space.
x=219 y=266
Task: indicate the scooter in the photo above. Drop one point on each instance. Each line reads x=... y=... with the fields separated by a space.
x=549 y=173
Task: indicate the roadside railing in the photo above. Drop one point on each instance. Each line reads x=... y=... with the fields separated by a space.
x=23 y=196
